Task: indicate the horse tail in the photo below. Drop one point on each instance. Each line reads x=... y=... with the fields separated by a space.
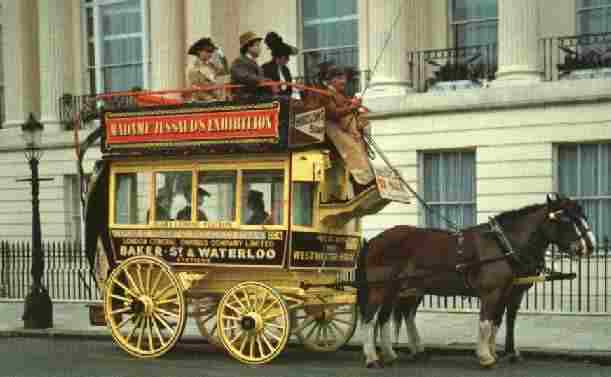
x=360 y=280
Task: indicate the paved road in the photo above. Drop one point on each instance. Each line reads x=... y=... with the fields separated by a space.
x=21 y=357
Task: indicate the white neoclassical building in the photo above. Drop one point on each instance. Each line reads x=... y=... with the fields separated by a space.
x=484 y=105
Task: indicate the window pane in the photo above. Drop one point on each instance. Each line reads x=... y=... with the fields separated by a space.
x=303 y=203
x=220 y=192
x=121 y=18
x=262 y=198
x=449 y=186
x=173 y=195
x=131 y=198
x=474 y=9
x=567 y=170
x=122 y=78
x=475 y=33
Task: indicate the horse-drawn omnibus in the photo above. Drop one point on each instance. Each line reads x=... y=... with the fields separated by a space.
x=239 y=215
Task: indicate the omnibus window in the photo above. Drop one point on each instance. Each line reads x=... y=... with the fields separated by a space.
x=262 y=198
x=218 y=191
x=173 y=196
x=131 y=198
x=303 y=203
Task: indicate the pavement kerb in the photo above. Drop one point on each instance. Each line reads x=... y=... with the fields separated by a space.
x=468 y=349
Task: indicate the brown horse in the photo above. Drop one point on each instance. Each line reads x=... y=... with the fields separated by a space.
x=481 y=260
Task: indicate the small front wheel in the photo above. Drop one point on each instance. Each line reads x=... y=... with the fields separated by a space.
x=253 y=322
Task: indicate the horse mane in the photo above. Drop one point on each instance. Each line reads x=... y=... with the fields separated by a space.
x=515 y=214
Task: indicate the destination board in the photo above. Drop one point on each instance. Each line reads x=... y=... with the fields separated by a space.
x=316 y=250
x=202 y=246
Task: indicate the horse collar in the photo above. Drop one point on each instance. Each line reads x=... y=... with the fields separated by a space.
x=496 y=228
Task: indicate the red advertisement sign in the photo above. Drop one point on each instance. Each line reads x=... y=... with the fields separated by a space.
x=201 y=125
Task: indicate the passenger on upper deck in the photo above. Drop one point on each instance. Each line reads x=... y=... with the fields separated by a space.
x=209 y=64
x=245 y=70
x=345 y=127
x=277 y=69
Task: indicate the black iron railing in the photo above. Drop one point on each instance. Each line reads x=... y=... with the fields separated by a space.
x=86 y=108
x=67 y=274
x=587 y=293
x=471 y=66
x=575 y=57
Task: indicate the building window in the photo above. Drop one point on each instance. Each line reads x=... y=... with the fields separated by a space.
x=593 y=16
x=449 y=188
x=473 y=22
x=330 y=33
x=116 y=45
x=584 y=172
x=303 y=203
x=72 y=207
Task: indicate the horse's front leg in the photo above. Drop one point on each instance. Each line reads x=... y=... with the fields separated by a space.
x=488 y=316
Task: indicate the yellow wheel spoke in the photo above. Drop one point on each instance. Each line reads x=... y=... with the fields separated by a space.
x=233 y=295
x=149 y=328
x=263 y=299
x=168 y=301
x=129 y=318
x=165 y=312
x=314 y=328
x=252 y=346
x=163 y=322
x=158 y=332
x=267 y=343
x=161 y=294
x=272 y=324
x=121 y=310
x=260 y=345
x=276 y=337
x=117 y=282
x=231 y=318
x=134 y=329
x=236 y=310
x=157 y=281
x=141 y=287
x=148 y=278
x=243 y=345
x=141 y=332
x=120 y=298
x=131 y=281
x=236 y=337
x=343 y=321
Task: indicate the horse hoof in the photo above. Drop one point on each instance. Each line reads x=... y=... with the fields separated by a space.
x=419 y=356
x=488 y=363
x=389 y=362
x=375 y=365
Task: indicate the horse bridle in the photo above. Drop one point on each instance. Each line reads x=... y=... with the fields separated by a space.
x=582 y=228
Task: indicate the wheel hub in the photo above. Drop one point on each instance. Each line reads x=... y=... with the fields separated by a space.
x=252 y=322
x=144 y=305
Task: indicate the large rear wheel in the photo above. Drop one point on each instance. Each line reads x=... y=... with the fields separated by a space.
x=144 y=305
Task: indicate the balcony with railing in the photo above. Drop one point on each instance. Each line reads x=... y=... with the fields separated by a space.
x=453 y=68
x=584 y=56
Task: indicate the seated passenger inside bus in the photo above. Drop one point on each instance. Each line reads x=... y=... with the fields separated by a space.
x=256 y=208
x=185 y=213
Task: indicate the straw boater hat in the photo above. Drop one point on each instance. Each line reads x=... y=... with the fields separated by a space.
x=203 y=43
x=249 y=36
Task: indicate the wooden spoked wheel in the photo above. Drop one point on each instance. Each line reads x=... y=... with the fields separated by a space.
x=325 y=328
x=144 y=306
x=204 y=312
x=253 y=322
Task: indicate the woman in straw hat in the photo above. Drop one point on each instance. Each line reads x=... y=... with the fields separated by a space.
x=210 y=64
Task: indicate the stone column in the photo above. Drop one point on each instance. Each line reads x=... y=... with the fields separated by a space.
x=55 y=48
x=405 y=21
x=198 y=21
x=20 y=60
x=168 y=44
x=518 y=33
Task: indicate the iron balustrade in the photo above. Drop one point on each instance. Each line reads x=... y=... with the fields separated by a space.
x=576 y=57
x=67 y=274
x=470 y=64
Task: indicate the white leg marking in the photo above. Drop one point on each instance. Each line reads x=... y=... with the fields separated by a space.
x=493 y=333
x=388 y=354
x=584 y=245
x=415 y=343
x=369 y=345
x=589 y=232
x=483 y=343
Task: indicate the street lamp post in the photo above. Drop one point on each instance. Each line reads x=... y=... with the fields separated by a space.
x=38 y=311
